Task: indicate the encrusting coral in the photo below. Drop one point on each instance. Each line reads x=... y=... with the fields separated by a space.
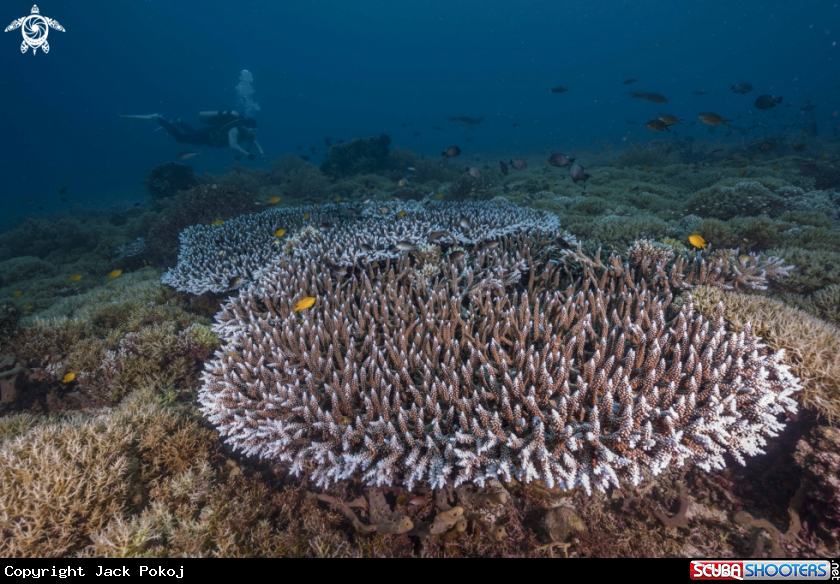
x=505 y=365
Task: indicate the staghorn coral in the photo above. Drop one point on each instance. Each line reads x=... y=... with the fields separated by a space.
x=815 y=269
x=648 y=255
x=504 y=367
x=811 y=346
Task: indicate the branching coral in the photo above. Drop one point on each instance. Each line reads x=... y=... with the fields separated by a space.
x=504 y=366
x=221 y=258
x=811 y=345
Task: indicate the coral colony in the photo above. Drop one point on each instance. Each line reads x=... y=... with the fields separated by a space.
x=472 y=341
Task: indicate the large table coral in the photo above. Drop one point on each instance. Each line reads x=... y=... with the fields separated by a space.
x=509 y=360
x=217 y=258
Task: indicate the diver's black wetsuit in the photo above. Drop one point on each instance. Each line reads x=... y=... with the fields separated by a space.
x=185 y=134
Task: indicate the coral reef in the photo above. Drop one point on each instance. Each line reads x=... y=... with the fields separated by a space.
x=129 y=334
x=222 y=258
x=165 y=180
x=811 y=346
x=819 y=457
x=489 y=371
x=745 y=198
x=104 y=452
x=204 y=204
x=359 y=156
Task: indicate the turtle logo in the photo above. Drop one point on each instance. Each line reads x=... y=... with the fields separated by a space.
x=35 y=29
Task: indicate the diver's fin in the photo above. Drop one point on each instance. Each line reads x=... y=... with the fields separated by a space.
x=146 y=117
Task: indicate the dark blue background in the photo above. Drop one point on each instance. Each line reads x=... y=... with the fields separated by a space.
x=361 y=67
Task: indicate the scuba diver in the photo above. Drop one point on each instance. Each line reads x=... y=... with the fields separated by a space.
x=222 y=129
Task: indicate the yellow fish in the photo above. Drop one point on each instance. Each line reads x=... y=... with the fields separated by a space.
x=697 y=241
x=17 y=293
x=742 y=172
x=645 y=167
x=401 y=183
x=775 y=168
x=551 y=186
x=75 y=278
x=401 y=214
x=218 y=222
x=306 y=217
x=276 y=242
x=27 y=307
x=439 y=195
x=607 y=146
x=273 y=200
x=68 y=378
x=337 y=200
x=280 y=233
x=758 y=156
x=743 y=258
x=145 y=263
x=307 y=302
x=315 y=205
x=115 y=274
x=221 y=252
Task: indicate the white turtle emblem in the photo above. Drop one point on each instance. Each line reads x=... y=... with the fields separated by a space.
x=35 y=29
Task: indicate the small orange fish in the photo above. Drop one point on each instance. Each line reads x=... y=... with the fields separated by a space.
x=315 y=205
x=17 y=293
x=28 y=307
x=75 y=278
x=280 y=233
x=401 y=214
x=306 y=217
x=439 y=195
x=68 y=378
x=218 y=222
x=742 y=172
x=401 y=183
x=337 y=200
x=115 y=274
x=775 y=168
x=697 y=241
x=307 y=302
x=145 y=263
x=273 y=200
x=645 y=167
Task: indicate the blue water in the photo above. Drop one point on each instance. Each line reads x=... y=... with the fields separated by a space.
x=357 y=68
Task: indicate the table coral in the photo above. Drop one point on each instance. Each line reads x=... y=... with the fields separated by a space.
x=503 y=366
